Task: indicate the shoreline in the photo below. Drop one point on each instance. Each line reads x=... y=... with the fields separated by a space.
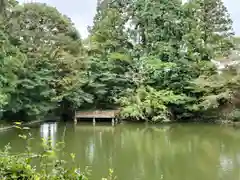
x=8 y=127
x=224 y=123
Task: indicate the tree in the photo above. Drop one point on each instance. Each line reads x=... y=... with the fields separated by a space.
x=214 y=25
x=208 y=36
x=173 y=36
x=6 y=6
x=161 y=49
x=219 y=91
x=2 y=6
x=108 y=53
x=53 y=70
x=11 y=63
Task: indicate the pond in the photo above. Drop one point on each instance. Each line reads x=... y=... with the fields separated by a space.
x=140 y=152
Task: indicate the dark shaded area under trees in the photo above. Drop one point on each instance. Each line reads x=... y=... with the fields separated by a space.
x=150 y=58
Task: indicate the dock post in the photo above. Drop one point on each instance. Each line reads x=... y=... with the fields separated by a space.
x=75 y=118
x=113 y=122
x=94 y=121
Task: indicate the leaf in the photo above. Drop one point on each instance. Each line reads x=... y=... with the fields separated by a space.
x=17 y=127
x=18 y=123
x=22 y=136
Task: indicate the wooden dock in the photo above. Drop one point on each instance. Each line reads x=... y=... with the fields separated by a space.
x=97 y=114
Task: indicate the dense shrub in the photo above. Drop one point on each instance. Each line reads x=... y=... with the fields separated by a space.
x=147 y=103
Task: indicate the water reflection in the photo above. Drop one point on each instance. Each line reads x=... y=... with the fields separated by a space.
x=137 y=152
x=48 y=131
x=168 y=153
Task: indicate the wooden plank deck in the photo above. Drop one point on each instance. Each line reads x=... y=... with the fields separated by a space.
x=100 y=114
x=97 y=114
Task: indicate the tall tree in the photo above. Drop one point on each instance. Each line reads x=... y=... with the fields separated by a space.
x=2 y=6
x=209 y=36
x=158 y=25
x=213 y=22
x=11 y=64
x=109 y=52
x=54 y=66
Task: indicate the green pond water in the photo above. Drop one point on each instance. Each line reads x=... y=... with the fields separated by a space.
x=140 y=152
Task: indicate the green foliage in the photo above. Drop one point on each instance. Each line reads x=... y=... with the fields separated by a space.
x=47 y=166
x=147 y=103
x=168 y=52
x=162 y=48
x=44 y=53
x=209 y=28
x=219 y=92
x=20 y=166
x=110 y=176
x=11 y=64
x=234 y=116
